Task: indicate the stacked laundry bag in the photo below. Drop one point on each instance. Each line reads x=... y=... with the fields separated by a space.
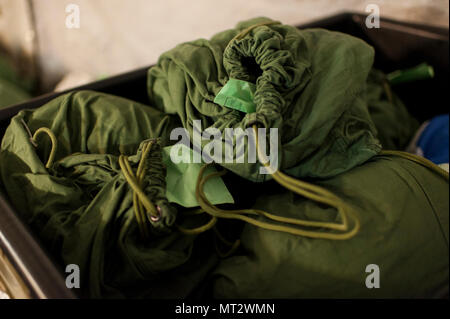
x=94 y=177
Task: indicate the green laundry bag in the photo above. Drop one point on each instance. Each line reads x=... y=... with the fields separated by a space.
x=66 y=168
x=309 y=84
x=403 y=239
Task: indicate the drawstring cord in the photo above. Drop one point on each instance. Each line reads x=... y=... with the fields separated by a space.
x=420 y=160
x=141 y=203
x=242 y=215
x=309 y=191
x=195 y=231
x=315 y=193
x=52 y=136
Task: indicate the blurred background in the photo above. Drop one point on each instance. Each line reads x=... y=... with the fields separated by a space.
x=56 y=44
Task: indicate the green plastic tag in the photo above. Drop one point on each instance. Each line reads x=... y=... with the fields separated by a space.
x=181 y=180
x=238 y=95
x=420 y=72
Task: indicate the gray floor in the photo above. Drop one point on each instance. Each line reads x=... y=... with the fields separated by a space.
x=119 y=35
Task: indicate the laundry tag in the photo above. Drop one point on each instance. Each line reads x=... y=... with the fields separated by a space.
x=238 y=95
x=181 y=179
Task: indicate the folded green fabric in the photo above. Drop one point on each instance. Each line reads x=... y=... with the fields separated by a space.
x=403 y=209
x=310 y=85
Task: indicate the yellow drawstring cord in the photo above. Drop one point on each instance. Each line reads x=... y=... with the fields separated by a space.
x=52 y=136
x=241 y=215
x=140 y=199
x=207 y=226
x=198 y=230
x=420 y=160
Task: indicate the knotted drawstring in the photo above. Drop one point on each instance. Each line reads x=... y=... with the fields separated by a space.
x=141 y=203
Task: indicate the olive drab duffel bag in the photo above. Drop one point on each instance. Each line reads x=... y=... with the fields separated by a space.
x=86 y=172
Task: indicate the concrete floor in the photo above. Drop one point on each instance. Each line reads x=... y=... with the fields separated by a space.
x=118 y=35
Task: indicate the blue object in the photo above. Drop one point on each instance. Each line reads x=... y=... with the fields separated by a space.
x=434 y=140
